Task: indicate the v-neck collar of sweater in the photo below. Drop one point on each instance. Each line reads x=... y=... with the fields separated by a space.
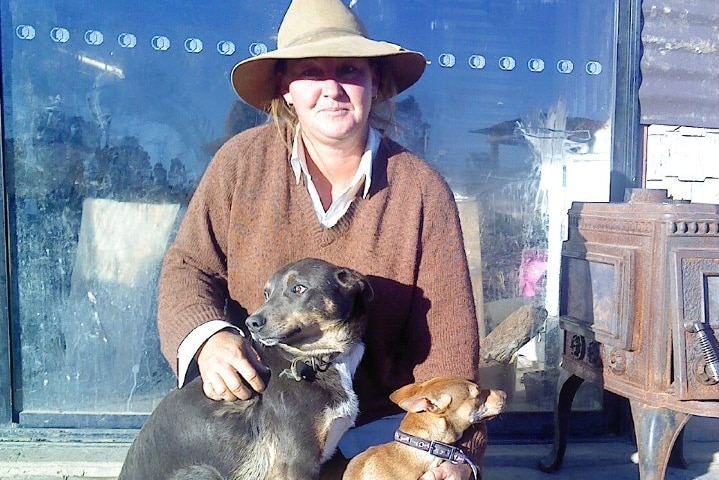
x=324 y=235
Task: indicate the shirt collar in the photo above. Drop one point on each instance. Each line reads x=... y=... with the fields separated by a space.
x=299 y=162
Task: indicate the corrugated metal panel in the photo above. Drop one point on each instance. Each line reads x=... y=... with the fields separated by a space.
x=680 y=63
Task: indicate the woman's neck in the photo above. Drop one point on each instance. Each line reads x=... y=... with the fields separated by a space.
x=331 y=167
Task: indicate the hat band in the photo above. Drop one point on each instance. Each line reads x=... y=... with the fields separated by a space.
x=321 y=33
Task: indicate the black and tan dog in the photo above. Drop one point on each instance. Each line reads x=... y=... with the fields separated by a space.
x=308 y=332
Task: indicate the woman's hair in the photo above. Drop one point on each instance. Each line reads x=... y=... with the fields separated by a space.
x=381 y=114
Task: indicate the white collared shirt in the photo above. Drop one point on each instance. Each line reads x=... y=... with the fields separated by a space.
x=340 y=204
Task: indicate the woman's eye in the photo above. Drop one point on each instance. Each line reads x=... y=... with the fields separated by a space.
x=299 y=289
x=347 y=70
x=310 y=73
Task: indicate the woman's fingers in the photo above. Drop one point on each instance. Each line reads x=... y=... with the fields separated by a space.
x=229 y=367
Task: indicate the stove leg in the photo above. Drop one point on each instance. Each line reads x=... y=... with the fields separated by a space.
x=567 y=387
x=656 y=429
x=676 y=458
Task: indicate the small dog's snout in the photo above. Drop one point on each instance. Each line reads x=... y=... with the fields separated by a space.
x=255 y=322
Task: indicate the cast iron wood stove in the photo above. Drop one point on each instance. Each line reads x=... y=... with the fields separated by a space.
x=639 y=303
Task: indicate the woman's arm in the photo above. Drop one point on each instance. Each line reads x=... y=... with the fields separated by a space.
x=193 y=280
x=444 y=280
x=193 y=292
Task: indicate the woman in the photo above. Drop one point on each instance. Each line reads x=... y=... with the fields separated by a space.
x=321 y=182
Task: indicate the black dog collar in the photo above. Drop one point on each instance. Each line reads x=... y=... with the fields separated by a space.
x=440 y=450
x=307 y=368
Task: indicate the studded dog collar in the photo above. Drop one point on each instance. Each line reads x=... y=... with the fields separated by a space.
x=440 y=450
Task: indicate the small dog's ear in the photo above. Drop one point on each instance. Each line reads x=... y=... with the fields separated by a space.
x=412 y=399
x=403 y=393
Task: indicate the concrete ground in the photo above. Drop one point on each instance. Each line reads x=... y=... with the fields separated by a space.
x=595 y=461
x=615 y=460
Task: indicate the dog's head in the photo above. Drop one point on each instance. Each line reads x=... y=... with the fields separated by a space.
x=312 y=307
x=459 y=402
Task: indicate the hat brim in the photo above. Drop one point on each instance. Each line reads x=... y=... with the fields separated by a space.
x=254 y=80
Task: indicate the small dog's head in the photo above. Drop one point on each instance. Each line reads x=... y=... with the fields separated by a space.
x=459 y=402
x=312 y=307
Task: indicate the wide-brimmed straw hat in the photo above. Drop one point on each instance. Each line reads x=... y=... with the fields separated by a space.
x=322 y=28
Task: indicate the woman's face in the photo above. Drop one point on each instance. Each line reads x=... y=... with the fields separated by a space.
x=332 y=97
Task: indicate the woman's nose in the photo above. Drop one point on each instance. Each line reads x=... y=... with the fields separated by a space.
x=331 y=87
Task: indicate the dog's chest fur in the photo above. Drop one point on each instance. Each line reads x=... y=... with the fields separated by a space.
x=303 y=420
x=339 y=417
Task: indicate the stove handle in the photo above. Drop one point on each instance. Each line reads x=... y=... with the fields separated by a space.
x=708 y=344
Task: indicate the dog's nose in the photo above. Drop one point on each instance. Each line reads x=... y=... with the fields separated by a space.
x=255 y=322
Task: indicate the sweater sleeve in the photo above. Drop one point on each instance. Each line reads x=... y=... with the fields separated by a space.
x=193 y=280
x=444 y=282
x=474 y=442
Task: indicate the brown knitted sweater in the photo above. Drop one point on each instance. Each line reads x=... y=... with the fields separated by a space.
x=249 y=217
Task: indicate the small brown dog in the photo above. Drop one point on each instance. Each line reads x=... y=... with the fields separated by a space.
x=438 y=413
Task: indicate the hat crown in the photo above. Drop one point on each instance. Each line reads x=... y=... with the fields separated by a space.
x=310 y=20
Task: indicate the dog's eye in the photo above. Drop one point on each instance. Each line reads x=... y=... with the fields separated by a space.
x=266 y=294
x=299 y=289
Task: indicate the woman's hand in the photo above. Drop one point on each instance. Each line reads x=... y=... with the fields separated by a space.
x=448 y=471
x=229 y=367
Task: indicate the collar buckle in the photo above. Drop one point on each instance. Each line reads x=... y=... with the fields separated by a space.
x=445 y=451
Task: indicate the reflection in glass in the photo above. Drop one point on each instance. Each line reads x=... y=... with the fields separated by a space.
x=111 y=119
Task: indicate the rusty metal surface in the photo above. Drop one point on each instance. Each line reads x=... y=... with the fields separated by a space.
x=680 y=63
x=633 y=284
x=656 y=430
x=639 y=305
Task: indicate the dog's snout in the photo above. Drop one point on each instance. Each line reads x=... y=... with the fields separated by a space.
x=255 y=322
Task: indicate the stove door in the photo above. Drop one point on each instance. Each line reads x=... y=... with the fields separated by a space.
x=597 y=296
x=695 y=325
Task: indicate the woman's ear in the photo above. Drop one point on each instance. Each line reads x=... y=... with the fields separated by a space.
x=283 y=86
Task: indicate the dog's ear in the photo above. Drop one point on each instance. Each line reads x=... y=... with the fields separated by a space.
x=403 y=393
x=355 y=283
x=425 y=403
x=412 y=398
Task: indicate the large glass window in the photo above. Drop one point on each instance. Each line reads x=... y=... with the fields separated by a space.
x=112 y=112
